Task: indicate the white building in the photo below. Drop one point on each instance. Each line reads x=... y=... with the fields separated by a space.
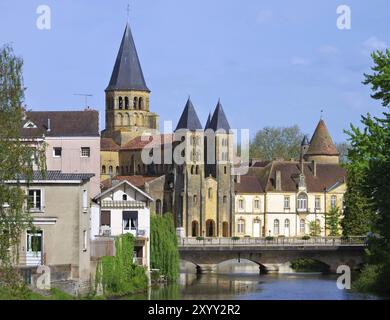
x=122 y=209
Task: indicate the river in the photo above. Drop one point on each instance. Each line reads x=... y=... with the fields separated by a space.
x=243 y=282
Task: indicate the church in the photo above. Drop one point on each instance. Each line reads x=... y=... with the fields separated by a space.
x=193 y=176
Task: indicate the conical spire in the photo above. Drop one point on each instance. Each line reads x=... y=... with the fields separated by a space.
x=208 y=122
x=127 y=73
x=189 y=119
x=321 y=143
x=219 y=120
x=305 y=141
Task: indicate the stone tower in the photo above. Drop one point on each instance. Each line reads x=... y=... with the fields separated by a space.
x=220 y=138
x=322 y=149
x=189 y=173
x=127 y=96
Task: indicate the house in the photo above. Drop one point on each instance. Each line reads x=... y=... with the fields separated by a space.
x=120 y=209
x=60 y=208
x=72 y=141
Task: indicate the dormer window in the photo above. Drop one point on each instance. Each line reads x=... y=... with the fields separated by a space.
x=124 y=197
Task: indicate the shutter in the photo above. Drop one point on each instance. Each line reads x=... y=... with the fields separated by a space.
x=105 y=218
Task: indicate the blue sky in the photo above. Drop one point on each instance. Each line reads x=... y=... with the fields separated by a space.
x=272 y=63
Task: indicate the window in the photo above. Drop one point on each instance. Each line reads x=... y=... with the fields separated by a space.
x=85 y=152
x=120 y=103
x=241 y=204
x=110 y=170
x=103 y=169
x=287 y=223
x=195 y=199
x=117 y=170
x=35 y=200
x=57 y=152
x=225 y=170
x=302 y=202
x=302 y=226
x=257 y=204
x=318 y=203
x=124 y=197
x=286 y=202
x=85 y=240
x=105 y=218
x=276 y=227
x=241 y=226
x=85 y=199
x=130 y=220
x=126 y=103
x=333 y=202
x=210 y=193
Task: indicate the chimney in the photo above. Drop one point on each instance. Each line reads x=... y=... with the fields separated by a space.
x=278 y=180
x=48 y=125
x=314 y=168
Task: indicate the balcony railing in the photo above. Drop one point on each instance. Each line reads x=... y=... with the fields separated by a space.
x=123 y=204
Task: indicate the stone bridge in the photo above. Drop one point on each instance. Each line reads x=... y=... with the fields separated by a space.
x=272 y=255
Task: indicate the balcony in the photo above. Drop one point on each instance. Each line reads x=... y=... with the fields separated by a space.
x=119 y=204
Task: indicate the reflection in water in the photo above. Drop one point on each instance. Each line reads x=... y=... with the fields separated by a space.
x=242 y=281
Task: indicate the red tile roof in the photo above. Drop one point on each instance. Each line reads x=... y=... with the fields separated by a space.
x=151 y=141
x=248 y=184
x=321 y=143
x=108 y=144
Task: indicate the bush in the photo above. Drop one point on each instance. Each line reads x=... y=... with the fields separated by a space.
x=369 y=279
x=308 y=265
x=305 y=237
x=235 y=238
x=199 y=238
x=269 y=238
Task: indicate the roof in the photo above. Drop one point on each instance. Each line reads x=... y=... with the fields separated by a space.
x=248 y=184
x=327 y=175
x=120 y=184
x=208 y=121
x=56 y=175
x=136 y=180
x=219 y=120
x=305 y=141
x=62 y=124
x=127 y=73
x=154 y=141
x=108 y=144
x=189 y=119
x=321 y=143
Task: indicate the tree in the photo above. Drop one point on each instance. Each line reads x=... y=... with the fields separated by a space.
x=342 y=148
x=369 y=176
x=16 y=160
x=314 y=228
x=333 y=222
x=282 y=142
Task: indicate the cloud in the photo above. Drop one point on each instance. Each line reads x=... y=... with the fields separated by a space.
x=372 y=44
x=299 y=61
x=264 y=16
x=328 y=50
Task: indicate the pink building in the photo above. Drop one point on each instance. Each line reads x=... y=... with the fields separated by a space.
x=72 y=141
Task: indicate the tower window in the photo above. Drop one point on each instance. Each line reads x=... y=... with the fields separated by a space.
x=135 y=103
x=141 y=103
x=126 y=103
x=225 y=170
x=120 y=103
x=103 y=169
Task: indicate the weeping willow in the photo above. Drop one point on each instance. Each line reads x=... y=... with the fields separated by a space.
x=164 y=246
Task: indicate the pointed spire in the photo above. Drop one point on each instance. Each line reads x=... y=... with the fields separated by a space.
x=189 y=119
x=219 y=120
x=321 y=143
x=208 y=121
x=305 y=141
x=127 y=73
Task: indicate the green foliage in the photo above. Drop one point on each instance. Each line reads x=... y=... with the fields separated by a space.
x=368 y=279
x=333 y=222
x=306 y=237
x=119 y=275
x=283 y=142
x=269 y=238
x=164 y=246
x=235 y=238
x=308 y=265
x=199 y=238
x=16 y=161
x=314 y=229
x=342 y=149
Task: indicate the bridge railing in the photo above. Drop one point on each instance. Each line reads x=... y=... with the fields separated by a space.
x=276 y=241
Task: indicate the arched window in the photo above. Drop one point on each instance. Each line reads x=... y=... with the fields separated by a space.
x=124 y=197
x=103 y=169
x=302 y=202
x=141 y=103
x=276 y=227
x=287 y=227
x=256 y=228
x=302 y=226
x=195 y=199
x=117 y=170
x=135 y=103
x=192 y=170
x=127 y=103
x=241 y=226
x=210 y=193
x=225 y=229
x=195 y=228
x=210 y=228
x=110 y=170
x=158 y=206
x=120 y=103
x=225 y=170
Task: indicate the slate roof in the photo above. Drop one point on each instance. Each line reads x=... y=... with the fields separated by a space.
x=62 y=124
x=56 y=175
x=327 y=175
x=108 y=144
x=127 y=73
x=305 y=141
x=219 y=120
x=321 y=143
x=248 y=184
x=189 y=119
x=208 y=122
